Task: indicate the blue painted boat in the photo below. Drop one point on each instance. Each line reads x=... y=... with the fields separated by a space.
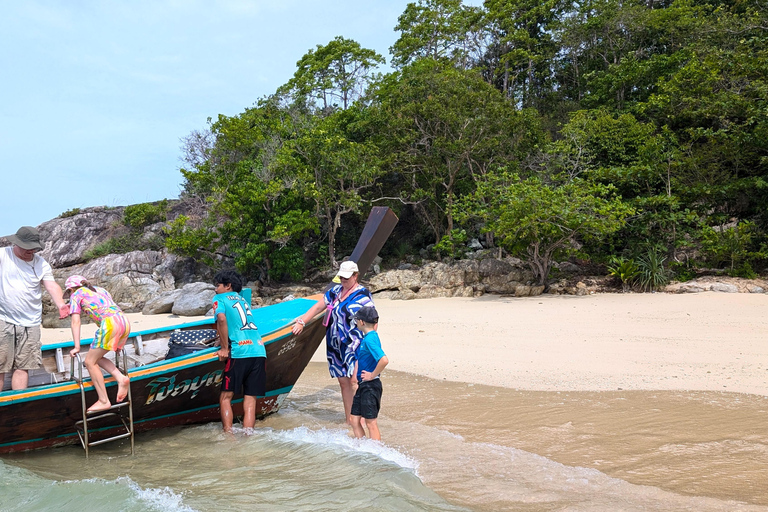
x=164 y=392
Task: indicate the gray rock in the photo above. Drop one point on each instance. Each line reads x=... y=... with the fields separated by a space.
x=430 y=291
x=162 y=303
x=194 y=299
x=690 y=287
x=475 y=244
x=494 y=267
x=724 y=287
x=67 y=239
x=568 y=267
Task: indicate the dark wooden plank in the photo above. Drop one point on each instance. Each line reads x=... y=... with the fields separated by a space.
x=381 y=221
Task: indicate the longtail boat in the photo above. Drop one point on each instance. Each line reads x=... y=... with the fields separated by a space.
x=166 y=392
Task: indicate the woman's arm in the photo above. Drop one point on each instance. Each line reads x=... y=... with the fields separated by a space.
x=306 y=317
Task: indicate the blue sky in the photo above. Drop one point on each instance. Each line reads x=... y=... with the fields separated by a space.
x=96 y=95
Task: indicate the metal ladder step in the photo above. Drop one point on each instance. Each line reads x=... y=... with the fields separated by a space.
x=83 y=428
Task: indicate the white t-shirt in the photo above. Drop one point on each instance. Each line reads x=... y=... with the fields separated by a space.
x=21 y=288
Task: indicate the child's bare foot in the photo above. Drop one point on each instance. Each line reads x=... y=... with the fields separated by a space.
x=99 y=406
x=122 y=389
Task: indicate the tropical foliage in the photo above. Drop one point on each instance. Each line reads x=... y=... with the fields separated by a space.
x=545 y=129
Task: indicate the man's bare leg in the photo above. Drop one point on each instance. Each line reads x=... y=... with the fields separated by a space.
x=225 y=405
x=249 y=411
x=19 y=379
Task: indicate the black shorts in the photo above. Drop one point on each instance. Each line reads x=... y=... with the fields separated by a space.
x=367 y=401
x=247 y=376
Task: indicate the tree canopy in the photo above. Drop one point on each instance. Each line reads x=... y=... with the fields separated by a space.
x=605 y=129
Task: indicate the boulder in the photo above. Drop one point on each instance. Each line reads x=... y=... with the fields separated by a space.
x=66 y=239
x=396 y=280
x=493 y=267
x=130 y=278
x=194 y=299
x=163 y=303
x=501 y=284
x=724 y=287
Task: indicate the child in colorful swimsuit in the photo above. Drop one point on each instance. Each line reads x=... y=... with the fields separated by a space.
x=113 y=331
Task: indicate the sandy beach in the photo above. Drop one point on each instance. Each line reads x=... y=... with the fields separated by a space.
x=606 y=342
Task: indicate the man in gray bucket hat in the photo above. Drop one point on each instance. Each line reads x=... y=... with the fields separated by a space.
x=23 y=275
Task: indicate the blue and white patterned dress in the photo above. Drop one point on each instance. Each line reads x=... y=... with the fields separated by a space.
x=342 y=337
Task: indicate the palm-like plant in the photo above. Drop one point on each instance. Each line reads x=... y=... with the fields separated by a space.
x=625 y=270
x=652 y=274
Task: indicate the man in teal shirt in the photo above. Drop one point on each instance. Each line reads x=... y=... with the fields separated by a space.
x=241 y=348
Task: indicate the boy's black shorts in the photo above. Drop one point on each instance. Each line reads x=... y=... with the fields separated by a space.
x=367 y=401
x=247 y=376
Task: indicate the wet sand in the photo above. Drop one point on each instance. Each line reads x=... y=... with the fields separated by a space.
x=667 y=391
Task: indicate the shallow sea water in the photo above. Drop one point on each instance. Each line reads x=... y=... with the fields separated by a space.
x=446 y=446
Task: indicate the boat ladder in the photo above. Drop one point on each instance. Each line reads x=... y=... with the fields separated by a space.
x=93 y=422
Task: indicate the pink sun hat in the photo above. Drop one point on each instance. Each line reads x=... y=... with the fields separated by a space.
x=74 y=281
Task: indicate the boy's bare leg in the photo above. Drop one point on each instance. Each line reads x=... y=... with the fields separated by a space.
x=225 y=404
x=249 y=411
x=357 y=426
x=373 y=429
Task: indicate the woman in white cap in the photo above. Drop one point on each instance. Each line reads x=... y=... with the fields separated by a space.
x=113 y=331
x=342 y=336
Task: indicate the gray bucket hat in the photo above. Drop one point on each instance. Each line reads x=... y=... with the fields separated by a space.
x=26 y=237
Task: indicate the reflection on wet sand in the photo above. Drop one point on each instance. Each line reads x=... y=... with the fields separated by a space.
x=693 y=443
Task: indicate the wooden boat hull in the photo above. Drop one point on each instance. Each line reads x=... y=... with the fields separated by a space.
x=179 y=391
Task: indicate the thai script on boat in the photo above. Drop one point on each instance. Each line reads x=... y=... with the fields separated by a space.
x=163 y=387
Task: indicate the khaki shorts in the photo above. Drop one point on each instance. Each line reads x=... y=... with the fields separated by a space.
x=20 y=347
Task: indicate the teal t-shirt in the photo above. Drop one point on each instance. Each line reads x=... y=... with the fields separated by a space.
x=368 y=354
x=244 y=337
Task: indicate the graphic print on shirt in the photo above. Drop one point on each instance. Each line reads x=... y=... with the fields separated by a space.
x=244 y=311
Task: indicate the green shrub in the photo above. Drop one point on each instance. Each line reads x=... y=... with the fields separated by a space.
x=744 y=270
x=123 y=244
x=70 y=213
x=682 y=271
x=141 y=215
x=652 y=274
x=626 y=270
x=453 y=244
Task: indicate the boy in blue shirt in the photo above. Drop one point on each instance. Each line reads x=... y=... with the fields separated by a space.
x=241 y=348
x=371 y=360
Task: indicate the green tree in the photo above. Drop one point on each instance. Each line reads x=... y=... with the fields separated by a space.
x=441 y=129
x=251 y=215
x=339 y=71
x=333 y=170
x=521 y=39
x=541 y=223
x=438 y=30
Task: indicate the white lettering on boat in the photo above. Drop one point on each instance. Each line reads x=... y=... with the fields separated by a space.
x=163 y=387
x=288 y=346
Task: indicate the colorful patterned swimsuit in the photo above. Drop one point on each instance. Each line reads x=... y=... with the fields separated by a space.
x=114 y=327
x=342 y=337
